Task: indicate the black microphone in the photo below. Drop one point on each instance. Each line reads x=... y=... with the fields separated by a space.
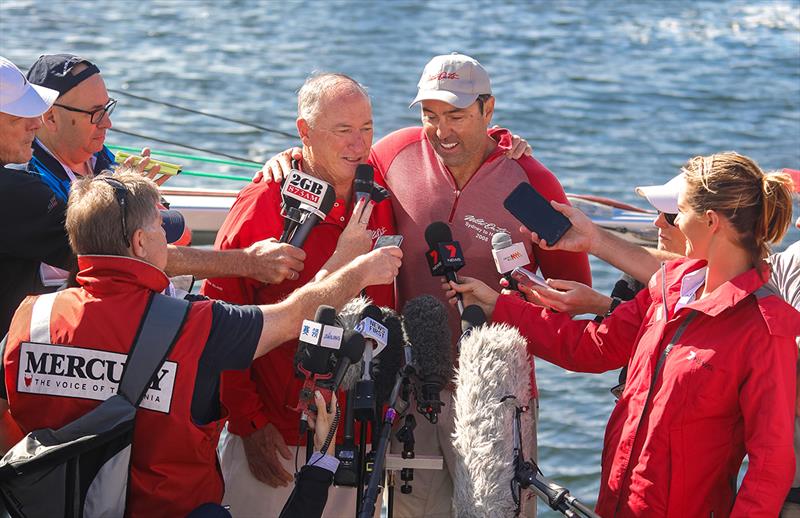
x=444 y=255
x=364 y=181
x=493 y=364
x=349 y=353
x=507 y=256
x=318 y=340
x=312 y=217
x=386 y=366
x=427 y=332
x=472 y=318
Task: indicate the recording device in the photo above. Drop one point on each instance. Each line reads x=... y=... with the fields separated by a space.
x=528 y=278
x=507 y=256
x=427 y=332
x=306 y=202
x=167 y=168
x=493 y=364
x=348 y=354
x=388 y=240
x=318 y=339
x=536 y=213
x=444 y=256
x=386 y=366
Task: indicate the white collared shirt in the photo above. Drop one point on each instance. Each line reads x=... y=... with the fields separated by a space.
x=690 y=283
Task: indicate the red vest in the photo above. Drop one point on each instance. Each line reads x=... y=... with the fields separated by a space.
x=174 y=466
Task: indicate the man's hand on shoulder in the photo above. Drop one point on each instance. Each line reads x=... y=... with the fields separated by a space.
x=262 y=448
x=272 y=262
x=277 y=168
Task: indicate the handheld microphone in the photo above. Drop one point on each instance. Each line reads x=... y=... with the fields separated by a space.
x=507 y=256
x=493 y=364
x=444 y=255
x=388 y=364
x=426 y=330
x=312 y=217
x=364 y=181
x=318 y=339
x=306 y=201
x=473 y=317
x=350 y=353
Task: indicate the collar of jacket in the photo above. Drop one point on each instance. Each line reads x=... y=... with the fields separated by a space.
x=725 y=296
x=108 y=274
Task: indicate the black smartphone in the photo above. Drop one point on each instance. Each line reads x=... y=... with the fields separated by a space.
x=536 y=213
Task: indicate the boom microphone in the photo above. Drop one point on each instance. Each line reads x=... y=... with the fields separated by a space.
x=493 y=364
x=427 y=332
x=507 y=256
x=444 y=255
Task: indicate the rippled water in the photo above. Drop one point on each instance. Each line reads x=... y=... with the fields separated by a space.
x=610 y=95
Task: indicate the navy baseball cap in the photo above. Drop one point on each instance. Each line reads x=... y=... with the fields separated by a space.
x=173 y=224
x=55 y=71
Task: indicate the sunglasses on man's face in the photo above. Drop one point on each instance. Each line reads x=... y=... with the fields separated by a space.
x=669 y=217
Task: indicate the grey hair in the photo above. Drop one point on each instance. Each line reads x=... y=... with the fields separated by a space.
x=310 y=95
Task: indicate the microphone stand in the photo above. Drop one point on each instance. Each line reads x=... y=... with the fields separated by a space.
x=396 y=407
x=527 y=475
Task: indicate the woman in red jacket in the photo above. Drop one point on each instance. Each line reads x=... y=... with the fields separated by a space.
x=710 y=355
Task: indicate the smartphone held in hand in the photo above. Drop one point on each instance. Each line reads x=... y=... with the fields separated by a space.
x=528 y=278
x=536 y=213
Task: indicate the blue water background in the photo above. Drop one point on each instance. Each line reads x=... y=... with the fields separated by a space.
x=610 y=95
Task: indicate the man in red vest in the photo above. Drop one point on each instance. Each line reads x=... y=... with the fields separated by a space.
x=116 y=231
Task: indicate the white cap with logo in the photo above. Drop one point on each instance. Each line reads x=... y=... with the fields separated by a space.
x=663 y=197
x=20 y=98
x=453 y=78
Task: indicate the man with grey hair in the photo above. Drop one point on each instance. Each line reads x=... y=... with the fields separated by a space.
x=334 y=122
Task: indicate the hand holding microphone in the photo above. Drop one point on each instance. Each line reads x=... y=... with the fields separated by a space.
x=444 y=256
x=471 y=291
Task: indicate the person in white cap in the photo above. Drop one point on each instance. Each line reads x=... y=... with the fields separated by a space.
x=33 y=218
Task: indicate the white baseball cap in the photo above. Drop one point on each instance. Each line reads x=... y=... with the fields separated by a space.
x=453 y=78
x=663 y=197
x=20 y=98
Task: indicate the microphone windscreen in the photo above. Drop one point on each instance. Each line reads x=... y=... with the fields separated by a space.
x=472 y=317
x=501 y=240
x=493 y=364
x=352 y=312
x=325 y=315
x=388 y=363
x=365 y=177
x=438 y=232
x=427 y=331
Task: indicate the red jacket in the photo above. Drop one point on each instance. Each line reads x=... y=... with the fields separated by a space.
x=173 y=468
x=266 y=391
x=726 y=388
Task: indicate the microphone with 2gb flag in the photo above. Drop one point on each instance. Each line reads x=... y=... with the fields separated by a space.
x=306 y=202
x=507 y=256
x=444 y=255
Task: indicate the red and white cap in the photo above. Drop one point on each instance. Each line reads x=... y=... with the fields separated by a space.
x=663 y=197
x=453 y=78
x=20 y=98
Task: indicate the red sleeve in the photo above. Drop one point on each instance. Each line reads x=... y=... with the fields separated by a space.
x=767 y=399
x=555 y=264
x=576 y=345
x=251 y=218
